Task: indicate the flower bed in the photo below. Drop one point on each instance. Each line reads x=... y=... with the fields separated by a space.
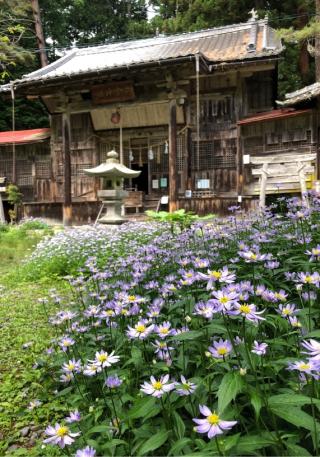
x=202 y=343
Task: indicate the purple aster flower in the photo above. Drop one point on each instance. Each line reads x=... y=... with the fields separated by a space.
x=163 y=330
x=281 y=295
x=314 y=254
x=272 y=265
x=222 y=276
x=74 y=416
x=287 y=310
x=308 y=367
x=212 y=424
x=224 y=300
x=65 y=343
x=73 y=366
x=308 y=278
x=220 y=348
x=185 y=387
x=248 y=311
x=113 y=382
x=141 y=330
x=157 y=387
x=60 y=435
x=259 y=348
x=313 y=349
x=310 y=295
x=103 y=359
x=162 y=350
x=206 y=310
x=86 y=452
x=294 y=322
x=252 y=257
x=91 y=369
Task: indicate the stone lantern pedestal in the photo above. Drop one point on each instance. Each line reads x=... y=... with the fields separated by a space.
x=112 y=195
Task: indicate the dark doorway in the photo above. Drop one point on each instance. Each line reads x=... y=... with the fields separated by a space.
x=141 y=183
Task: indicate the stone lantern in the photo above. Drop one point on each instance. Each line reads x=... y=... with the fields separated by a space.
x=112 y=194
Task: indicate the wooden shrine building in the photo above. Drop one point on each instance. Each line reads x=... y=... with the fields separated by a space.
x=170 y=105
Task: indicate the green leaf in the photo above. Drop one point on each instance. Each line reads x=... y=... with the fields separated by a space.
x=142 y=407
x=231 y=384
x=290 y=399
x=256 y=402
x=98 y=429
x=178 y=425
x=192 y=335
x=297 y=451
x=249 y=444
x=154 y=442
x=178 y=446
x=295 y=416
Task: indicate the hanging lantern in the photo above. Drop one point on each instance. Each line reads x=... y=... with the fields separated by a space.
x=131 y=158
x=150 y=154
x=166 y=148
x=115 y=117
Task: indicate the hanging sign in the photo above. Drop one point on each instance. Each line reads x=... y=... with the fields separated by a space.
x=113 y=92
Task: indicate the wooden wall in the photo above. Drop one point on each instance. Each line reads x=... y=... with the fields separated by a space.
x=33 y=169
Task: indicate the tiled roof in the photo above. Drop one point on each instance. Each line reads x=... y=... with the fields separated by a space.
x=274 y=114
x=301 y=95
x=24 y=136
x=250 y=40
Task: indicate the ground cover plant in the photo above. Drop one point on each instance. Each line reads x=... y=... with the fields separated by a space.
x=202 y=343
x=24 y=332
x=69 y=250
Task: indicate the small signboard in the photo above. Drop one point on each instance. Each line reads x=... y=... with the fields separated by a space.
x=155 y=184
x=120 y=91
x=163 y=182
x=3 y=189
x=203 y=184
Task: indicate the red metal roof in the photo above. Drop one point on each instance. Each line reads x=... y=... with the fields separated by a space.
x=24 y=136
x=275 y=114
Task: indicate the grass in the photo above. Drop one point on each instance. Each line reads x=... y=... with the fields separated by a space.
x=24 y=335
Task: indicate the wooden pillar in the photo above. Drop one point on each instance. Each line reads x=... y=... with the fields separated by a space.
x=239 y=163
x=173 y=183
x=66 y=146
x=263 y=186
x=2 y=218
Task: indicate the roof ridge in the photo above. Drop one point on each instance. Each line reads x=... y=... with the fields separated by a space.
x=169 y=38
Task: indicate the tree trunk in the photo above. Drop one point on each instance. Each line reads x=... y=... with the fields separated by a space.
x=39 y=33
x=317 y=44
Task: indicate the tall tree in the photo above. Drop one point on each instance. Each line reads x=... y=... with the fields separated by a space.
x=13 y=25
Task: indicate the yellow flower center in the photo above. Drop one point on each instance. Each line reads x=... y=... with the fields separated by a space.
x=224 y=300
x=124 y=312
x=102 y=357
x=215 y=274
x=245 y=309
x=315 y=251
x=189 y=275
x=222 y=351
x=62 y=431
x=132 y=298
x=308 y=279
x=286 y=312
x=157 y=385
x=140 y=328
x=71 y=366
x=304 y=366
x=109 y=312
x=213 y=419
x=162 y=345
x=164 y=330
x=253 y=256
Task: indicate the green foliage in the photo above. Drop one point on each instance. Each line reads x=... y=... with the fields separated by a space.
x=14 y=195
x=24 y=335
x=179 y=218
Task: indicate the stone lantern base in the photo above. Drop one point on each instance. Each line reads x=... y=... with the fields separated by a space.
x=112 y=201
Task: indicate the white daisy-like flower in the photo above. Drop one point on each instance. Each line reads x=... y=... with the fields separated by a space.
x=157 y=387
